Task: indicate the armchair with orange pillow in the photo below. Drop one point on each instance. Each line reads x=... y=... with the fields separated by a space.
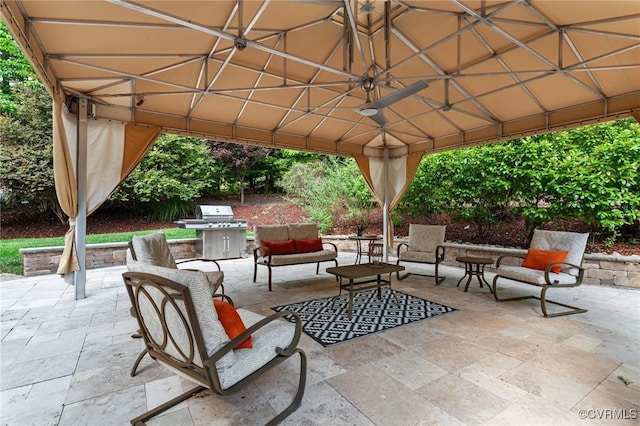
x=553 y=260
x=213 y=344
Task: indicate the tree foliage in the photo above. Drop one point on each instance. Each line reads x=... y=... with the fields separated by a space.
x=332 y=190
x=461 y=184
x=174 y=174
x=26 y=154
x=240 y=161
x=589 y=173
x=14 y=71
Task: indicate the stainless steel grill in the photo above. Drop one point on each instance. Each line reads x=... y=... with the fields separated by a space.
x=218 y=234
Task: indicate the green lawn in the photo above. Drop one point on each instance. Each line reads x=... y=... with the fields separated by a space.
x=11 y=259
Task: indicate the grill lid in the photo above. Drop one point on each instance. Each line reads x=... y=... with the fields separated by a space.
x=214 y=213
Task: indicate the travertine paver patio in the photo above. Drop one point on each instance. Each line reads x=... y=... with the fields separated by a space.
x=67 y=362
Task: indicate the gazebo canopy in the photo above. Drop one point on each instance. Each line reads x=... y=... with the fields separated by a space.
x=340 y=77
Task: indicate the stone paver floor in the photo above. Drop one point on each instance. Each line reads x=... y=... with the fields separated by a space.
x=66 y=361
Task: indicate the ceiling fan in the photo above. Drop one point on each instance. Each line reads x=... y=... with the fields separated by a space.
x=372 y=109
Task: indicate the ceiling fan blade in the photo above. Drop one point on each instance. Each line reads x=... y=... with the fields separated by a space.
x=379 y=119
x=396 y=96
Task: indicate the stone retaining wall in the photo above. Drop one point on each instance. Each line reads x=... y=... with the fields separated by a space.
x=602 y=269
x=45 y=260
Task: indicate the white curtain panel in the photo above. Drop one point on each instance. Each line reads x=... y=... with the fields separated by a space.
x=105 y=143
x=397 y=177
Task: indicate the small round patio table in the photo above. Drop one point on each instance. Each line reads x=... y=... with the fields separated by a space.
x=360 y=250
x=474 y=267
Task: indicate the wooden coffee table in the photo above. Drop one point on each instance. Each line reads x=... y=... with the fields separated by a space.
x=363 y=270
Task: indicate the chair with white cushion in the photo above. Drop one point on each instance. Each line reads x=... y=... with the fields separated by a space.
x=153 y=249
x=183 y=332
x=425 y=246
x=554 y=260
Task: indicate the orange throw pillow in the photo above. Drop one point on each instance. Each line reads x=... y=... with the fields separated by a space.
x=280 y=247
x=231 y=322
x=539 y=259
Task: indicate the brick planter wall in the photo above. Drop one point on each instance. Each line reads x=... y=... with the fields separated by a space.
x=602 y=269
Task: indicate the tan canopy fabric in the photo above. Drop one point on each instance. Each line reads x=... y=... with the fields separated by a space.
x=116 y=149
x=299 y=74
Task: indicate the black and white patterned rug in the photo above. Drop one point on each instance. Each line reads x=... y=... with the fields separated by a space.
x=326 y=321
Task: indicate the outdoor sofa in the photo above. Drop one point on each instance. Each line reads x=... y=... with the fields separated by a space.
x=291 y=244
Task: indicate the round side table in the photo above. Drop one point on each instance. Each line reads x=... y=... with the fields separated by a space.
x=360 y=250
x=474 y=267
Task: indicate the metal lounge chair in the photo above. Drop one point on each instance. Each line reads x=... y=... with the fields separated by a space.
x=182 y=332
x=425 y=246
x=540 y=270
x=153 y=249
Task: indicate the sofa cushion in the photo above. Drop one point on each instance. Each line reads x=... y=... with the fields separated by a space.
x=214 y=274
x=539 y=259
x=418 y=256
x=533 y=276
x=180 y=346
x=303 y=231
x=270 y=233
x=298 y=258
x=306 y=246
x=573 y=242
x=425 y=237
x=215 y=279
x=276 y=334
x=279 y=247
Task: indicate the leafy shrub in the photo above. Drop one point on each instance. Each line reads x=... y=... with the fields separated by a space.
x=169 y=180
x=462 y=184
x=332 y=190
x=590 y=173
x=26 y=157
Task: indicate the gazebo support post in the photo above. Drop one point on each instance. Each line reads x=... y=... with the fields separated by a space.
x=80 y=276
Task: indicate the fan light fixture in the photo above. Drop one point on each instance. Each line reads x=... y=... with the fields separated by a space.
x=369 y=112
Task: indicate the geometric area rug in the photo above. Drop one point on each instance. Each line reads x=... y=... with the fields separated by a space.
x=326 y=321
